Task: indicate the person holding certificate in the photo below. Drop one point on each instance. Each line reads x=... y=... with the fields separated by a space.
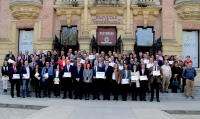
x=125 y=81
x=135 y=84
x=67 y=79
x=116 y=75
x=107 y=80
x=155 y=74
x=5 y=78
x=78 y=81
x=37 y=80
x=25 y=73
x=57 y=76
x=143 y=82
x=96 y=81
x=47 y=78
x=14 y=79
x=87 y=79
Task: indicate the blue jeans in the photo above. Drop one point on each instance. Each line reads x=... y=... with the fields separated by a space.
x=25 y=86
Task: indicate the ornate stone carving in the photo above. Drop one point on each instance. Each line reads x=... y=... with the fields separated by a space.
x=146 y=9
x=25 y=9
x=188 y=10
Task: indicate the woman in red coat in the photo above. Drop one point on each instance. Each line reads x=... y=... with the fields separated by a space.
x=62 y=62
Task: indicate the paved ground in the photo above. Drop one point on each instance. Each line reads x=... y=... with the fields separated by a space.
x=81 y=109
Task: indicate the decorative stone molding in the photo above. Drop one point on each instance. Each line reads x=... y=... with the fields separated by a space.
x=25 y=9
x=147 y=9
x=69 y=3
x=188 y=9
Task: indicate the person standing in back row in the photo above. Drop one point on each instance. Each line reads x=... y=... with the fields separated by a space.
x=189 y=73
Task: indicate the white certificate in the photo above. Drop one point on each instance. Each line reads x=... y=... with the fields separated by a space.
x=56 y=80
x=82 y=61
x=121 y=67
x=146 y=61
x=100 y=75
x=72 y=64
x=5 y=78
x=38 y=78
x=111 y=64
x=91 y=57
x=11 y=61
x=16 y=76
x=46 y=75
x=26 y=76
x=125 y=81
x=67 y=74
x=149 y=65
x=37 y=74
x=134 y=78
x=143 y=77
x=156 y=73
x=171 y=62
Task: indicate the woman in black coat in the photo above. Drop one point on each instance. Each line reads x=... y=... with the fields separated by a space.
x=37 y=80
x=176 y=75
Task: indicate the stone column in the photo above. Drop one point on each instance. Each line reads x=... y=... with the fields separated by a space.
x=85 y=24
x=127 y=40
x=84 y=39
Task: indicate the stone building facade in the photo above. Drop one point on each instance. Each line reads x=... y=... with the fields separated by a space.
x=168 y=19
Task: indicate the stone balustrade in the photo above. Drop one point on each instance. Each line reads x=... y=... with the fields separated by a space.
x=39 y=2
x=70 y=3
x=107 y=2
x=146 y=3
x=185 y=2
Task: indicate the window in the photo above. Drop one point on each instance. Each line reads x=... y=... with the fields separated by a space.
x=69 y=35
x=144 y=36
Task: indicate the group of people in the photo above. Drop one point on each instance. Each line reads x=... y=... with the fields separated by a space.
x=86 y=73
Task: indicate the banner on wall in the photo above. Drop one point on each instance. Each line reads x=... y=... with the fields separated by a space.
x=107 y=36
x=26 y=41
x=190 y=46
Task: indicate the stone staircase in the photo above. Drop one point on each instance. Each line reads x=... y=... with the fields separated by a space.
x=163 y=96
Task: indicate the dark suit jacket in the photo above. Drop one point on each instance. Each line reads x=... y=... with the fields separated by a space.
x=109 y=72
x=145 y=72
x=93 y=61
x=23 y=71
x=4 y=71
x=41 y=65
x=98 y=70
x=78 y=75
x=66 y=70
x=11 y=72
x=33 y=75
x=59 y=75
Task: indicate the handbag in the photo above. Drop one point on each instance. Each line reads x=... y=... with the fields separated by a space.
x=175 y=83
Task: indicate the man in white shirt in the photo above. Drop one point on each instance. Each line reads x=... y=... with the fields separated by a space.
x=167 y=73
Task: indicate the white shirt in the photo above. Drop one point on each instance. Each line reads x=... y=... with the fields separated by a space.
x=27 y=70
x=113 y=76
x=57 y=73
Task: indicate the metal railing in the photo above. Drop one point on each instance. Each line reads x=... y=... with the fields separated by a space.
x=107 y=2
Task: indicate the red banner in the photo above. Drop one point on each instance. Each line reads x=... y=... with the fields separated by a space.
x=106 y=36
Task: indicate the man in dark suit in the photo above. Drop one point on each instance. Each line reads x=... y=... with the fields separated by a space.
x=67 y=81
x=143 y=83
x=96 y=81
x=25 y=70
x=78 y=61
x=96 y=58
x=13 y=70
x=155 y=80
x=158 y=60
x=27 y=57
x=42 y=63
x=10 y=56
x=107 y=80
x=78 y=80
